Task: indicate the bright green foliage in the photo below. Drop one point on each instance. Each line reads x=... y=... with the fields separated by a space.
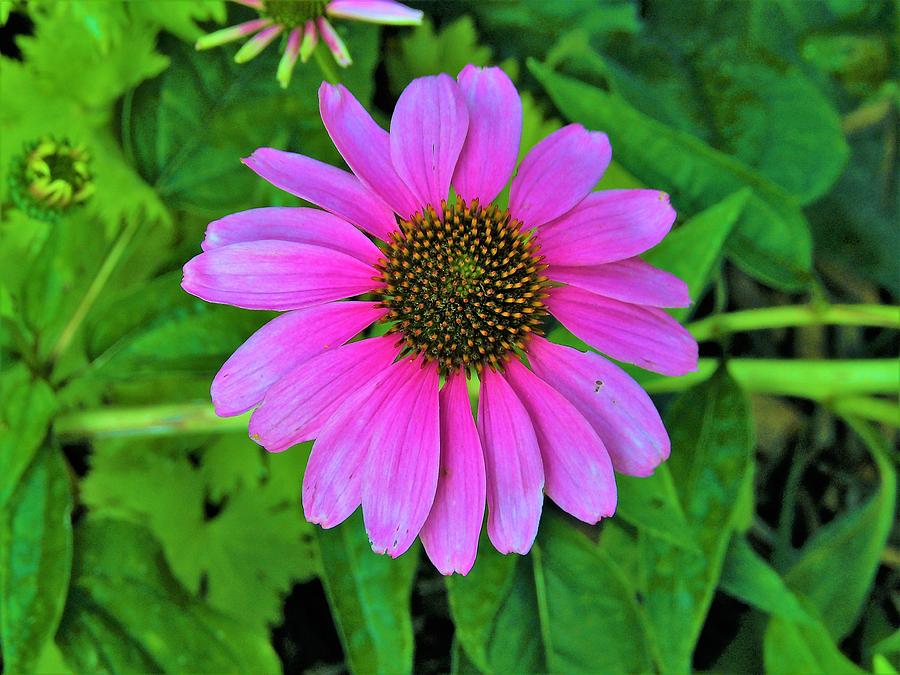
x=35 y=560
x=369 y=597
x=250 y=552
x=127 y=613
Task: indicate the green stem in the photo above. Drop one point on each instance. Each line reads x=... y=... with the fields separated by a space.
x=869 y=408
x=154 y=420
x=832 y=382
x=94 y=290
x=800 y=315
x=326 y=65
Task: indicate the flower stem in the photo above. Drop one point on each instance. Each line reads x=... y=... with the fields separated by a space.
x=94 y=290
x=326 y=65
x=799 y=315
x=155 y=420
x=847 y=382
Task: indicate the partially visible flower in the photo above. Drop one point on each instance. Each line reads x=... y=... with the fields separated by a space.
x=304 y=21
x=465 y=284
x=50 y=177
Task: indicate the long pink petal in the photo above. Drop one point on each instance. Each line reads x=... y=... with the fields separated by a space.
x=489 y=155
x=512 y=458
x=401 y=470
x=450 y=534
x=332 y=482
x=607 y=226
x=577 y=470
x=277 y=275
x=617 y=408
x=558 y=173
x=254 y=46
x=286 y=223
x=428 y=130
x=310 y=40
x=282 y=345
x=385 y=12
x=335 y=43
x=630 y=280
x=289 y=58
x=232 y=33
x=644 y=336
x=333 y=189
x=297 y=406
x=365 y=146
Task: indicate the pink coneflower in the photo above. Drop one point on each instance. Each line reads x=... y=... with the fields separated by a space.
x=304 y=21
x=462 y=284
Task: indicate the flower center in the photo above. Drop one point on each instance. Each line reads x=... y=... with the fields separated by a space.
x=294 y=12
x=465 y=291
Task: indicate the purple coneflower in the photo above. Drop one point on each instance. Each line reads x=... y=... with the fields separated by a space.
x=462 y=285
x=304 y=21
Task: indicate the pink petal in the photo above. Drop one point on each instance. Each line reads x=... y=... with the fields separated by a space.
x=334 y=190
x=232 y=33
x=286 y=223
x=310 y=40
x=428 y=130
x=332 y=482
x=283 y=344
x=450 y=534
x=489 y=155
x=289 y=58
x=365 y=146
x=620 y=411
x=608 y=226
x=276 y=275
x=297 y=406
x=254 y=46
x=512 y=459
x=335 y=43
x=375 y=11
x=577 y=470
x=402 y=466
x=558 y=173
x=630 y=280
x=644 y=336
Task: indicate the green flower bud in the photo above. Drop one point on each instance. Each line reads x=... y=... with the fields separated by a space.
x=50 y=178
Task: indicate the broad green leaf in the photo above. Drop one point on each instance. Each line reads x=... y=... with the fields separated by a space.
x=711 y=453
x=179 y=17
x=790 y=647
x=692 y=251
x=35 y=560
x=748 y=577
x=127 y=613
x=476 y=598
x=27 y=405
x=188 y=129
x=424 y=51
x=250 y=551
x=591 y=617
x=771 y=240
x=838 y=565
x=651 y=503
x=369 y=597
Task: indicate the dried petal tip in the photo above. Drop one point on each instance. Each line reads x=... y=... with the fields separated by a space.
x=51 y=177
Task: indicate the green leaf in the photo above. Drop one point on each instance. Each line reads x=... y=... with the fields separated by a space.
x=711 y=439
x=790 y=647
x=838 y=565
x=126 y=612
x=771 y=241
x=692 y=251
x=748 y=577
x=250 y=552
x=189 y=128
x=369 y=597
x=35 y=560
x=651 y=503
x=424 y=51
x=476 y=598
x=179 y=17
x=27 y=405
x=591 y=617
